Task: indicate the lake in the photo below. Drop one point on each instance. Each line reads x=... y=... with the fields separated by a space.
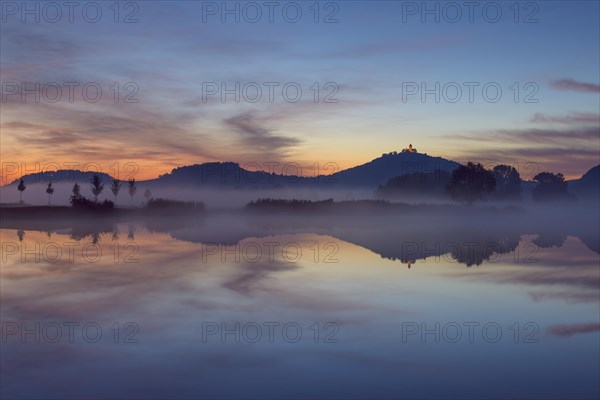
x=244 y=307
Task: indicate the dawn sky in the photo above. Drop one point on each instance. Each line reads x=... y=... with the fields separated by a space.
x=369 y=60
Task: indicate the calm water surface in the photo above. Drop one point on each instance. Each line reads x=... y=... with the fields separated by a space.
x=234 y=311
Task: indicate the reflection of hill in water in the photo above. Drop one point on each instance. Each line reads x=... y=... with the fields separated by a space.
x=470 y=248
x=592 y=242
x=407 y=238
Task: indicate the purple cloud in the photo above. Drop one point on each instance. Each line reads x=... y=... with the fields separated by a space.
x=572 y=84
x=256 y=136
x=569 y=119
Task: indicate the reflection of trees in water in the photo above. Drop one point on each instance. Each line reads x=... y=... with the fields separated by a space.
x=406 y=239
x=466 y=250
x=407 y=242
x=550 y=239
x=131 y=232
x=476 y=253
x=592 y=242
x=93 y=231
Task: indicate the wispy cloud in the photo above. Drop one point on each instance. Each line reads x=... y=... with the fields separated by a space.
x=258 y=138
x=568 y=297
x=571 y=149
x=254 y=273
x=569 y=119
x=572 y=84
x=527 y=135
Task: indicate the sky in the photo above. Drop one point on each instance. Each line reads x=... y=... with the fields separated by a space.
x=361 y=78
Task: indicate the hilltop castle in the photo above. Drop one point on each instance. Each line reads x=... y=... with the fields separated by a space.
x=409 y=149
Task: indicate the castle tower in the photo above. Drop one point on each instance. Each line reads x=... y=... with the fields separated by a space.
x=410 y=149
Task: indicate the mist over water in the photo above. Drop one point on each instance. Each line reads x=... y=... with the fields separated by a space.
x=212 y=197
x=232 y=198
x=299 y=200
x=252 y=298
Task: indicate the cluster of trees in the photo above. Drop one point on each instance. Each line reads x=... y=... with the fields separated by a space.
x=550 y=187
x=473 y=182
x=96 y=187
x=417 y=184
x=469 y=183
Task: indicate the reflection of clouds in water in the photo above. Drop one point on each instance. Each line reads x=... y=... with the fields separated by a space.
x=170 y=271
x=573 y=252
x=253 y=273
x=568 y=297
x=583 y=278
x=171 y=291
x=549 y=240
x=578 y=284
x=570 y=272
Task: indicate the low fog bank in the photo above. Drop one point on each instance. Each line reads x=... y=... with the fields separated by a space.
x=213 y=198
x=228 y=199
x=405 y=236
x=572 y=217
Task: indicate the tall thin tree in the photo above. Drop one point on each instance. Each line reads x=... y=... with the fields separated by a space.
x=21 y=188
x=132 y=189
x=50 y=191
x=76 y=190
x=148 y=195
x=115 y=186
x=96 y=186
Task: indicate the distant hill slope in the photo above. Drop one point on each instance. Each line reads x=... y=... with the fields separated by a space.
x=371 y=174
x=380 y=170
x=228 y=174
x=588 y=186
x=232 y=175
x=63 y=175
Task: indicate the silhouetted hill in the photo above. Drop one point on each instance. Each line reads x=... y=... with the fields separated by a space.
x=588 y=186
x=63 y=175
x=380 y=170
x=232 y=175
x=228 y=174
x=371 y=174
